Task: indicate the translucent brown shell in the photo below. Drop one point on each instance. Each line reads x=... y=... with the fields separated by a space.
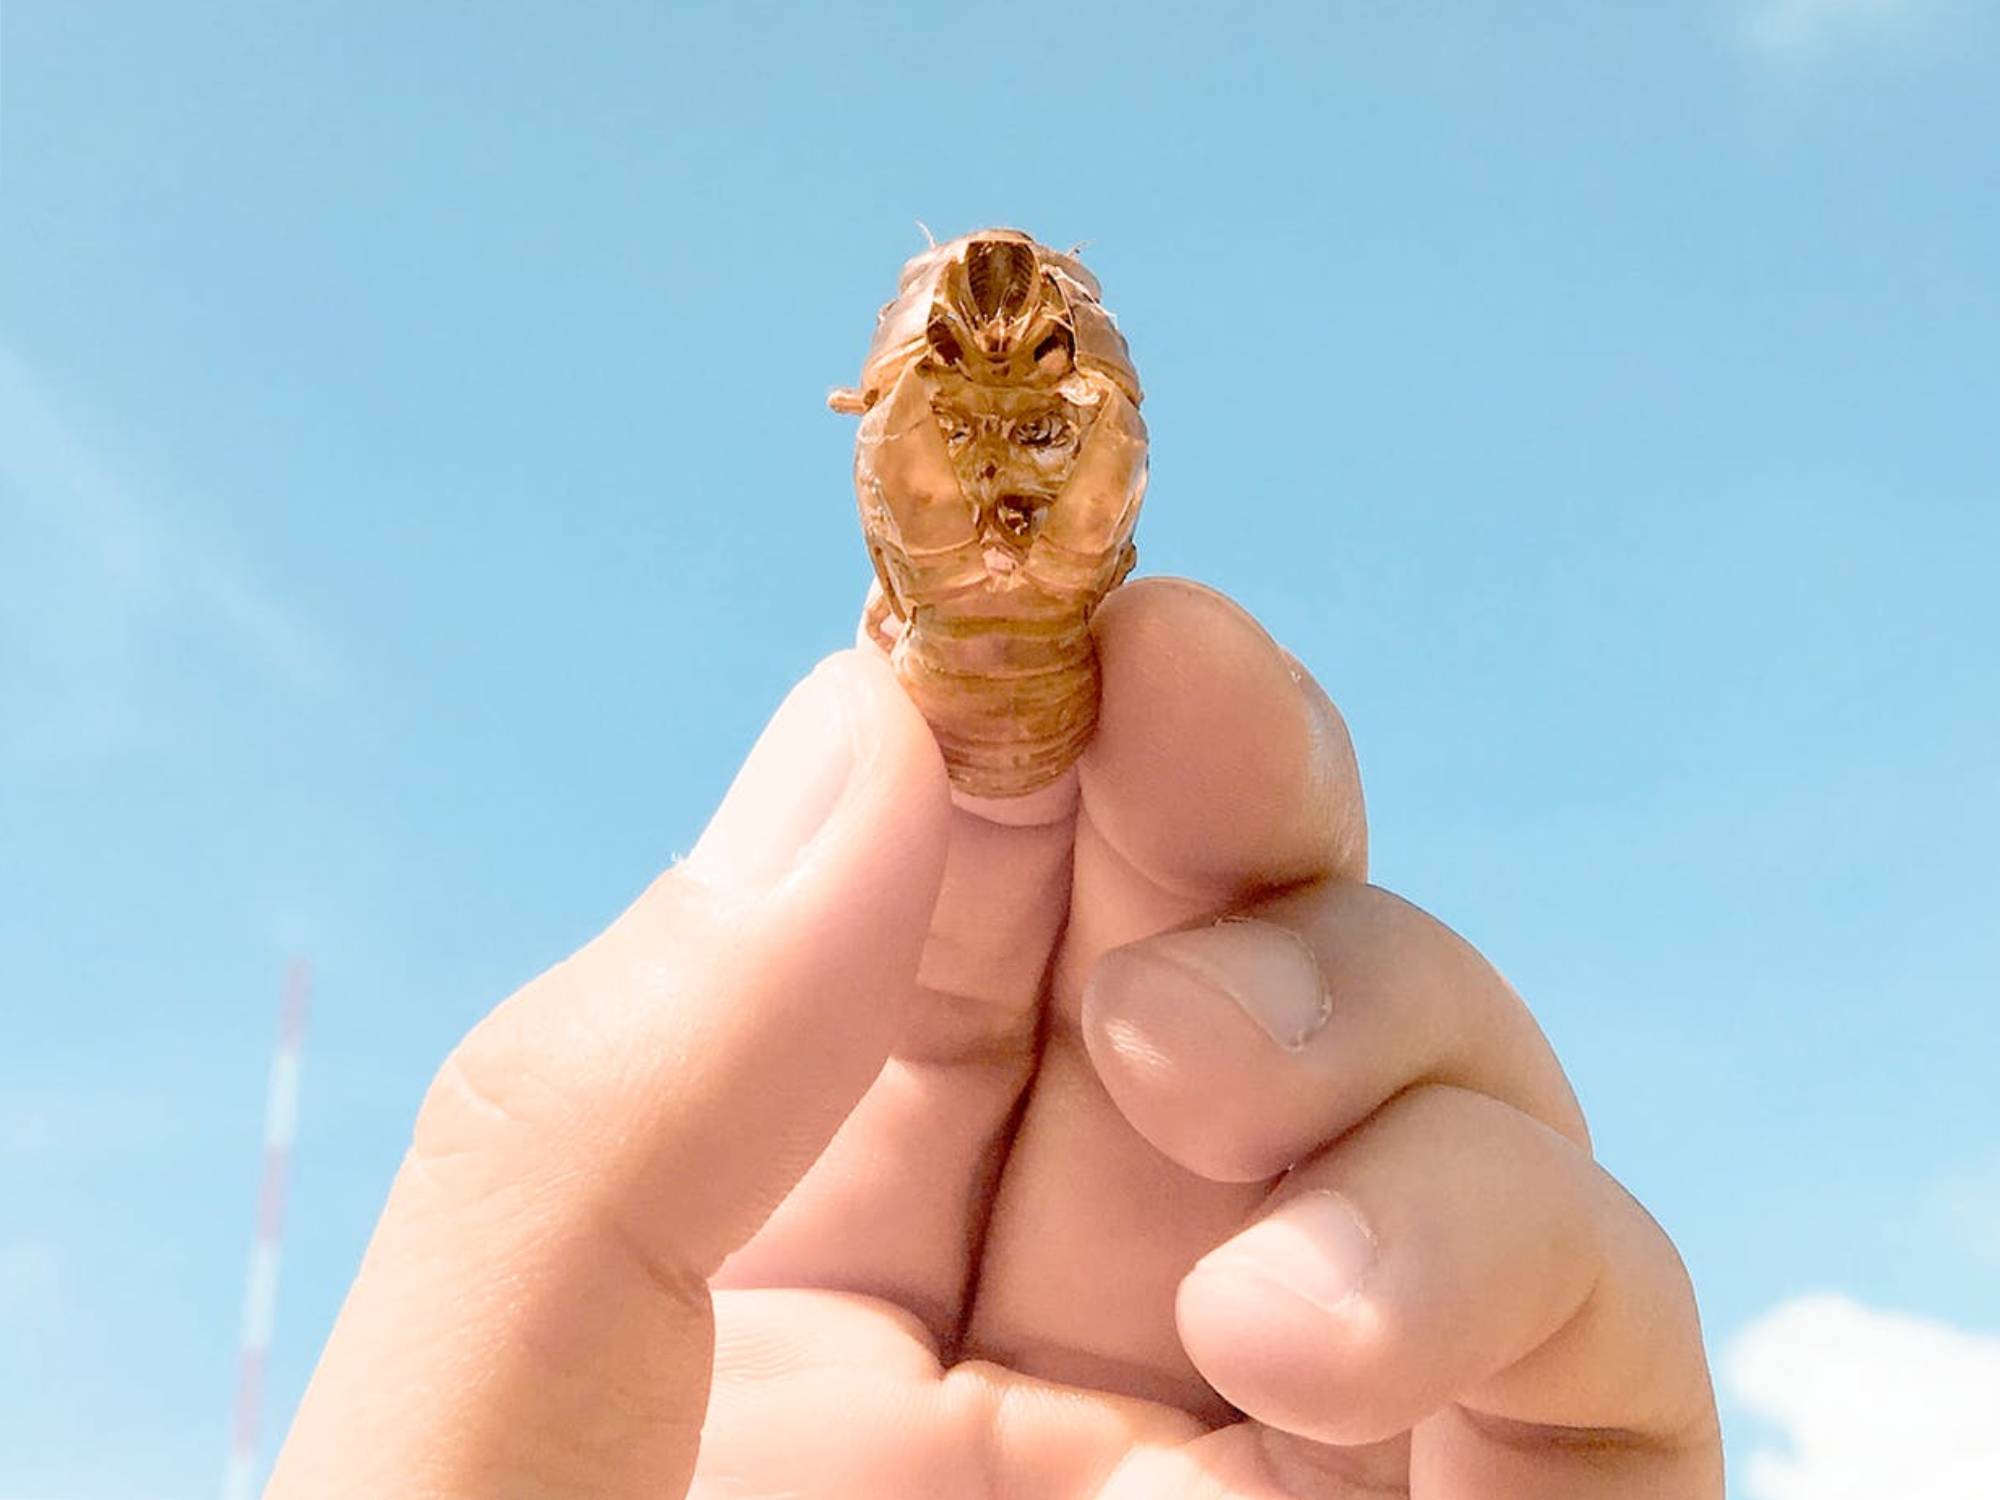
x=999 y=469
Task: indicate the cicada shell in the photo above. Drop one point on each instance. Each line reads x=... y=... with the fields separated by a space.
x=999 y=468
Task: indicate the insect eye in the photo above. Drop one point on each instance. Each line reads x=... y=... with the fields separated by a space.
x=1044 y=431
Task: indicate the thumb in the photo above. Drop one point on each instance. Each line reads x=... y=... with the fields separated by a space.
x=532 y=1317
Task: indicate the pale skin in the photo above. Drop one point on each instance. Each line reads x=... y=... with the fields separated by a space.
x=891 y=1146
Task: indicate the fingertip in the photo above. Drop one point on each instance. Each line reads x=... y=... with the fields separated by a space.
x=1203 y=713
x=900 y=799
x=1189 y=1054
x=1043 y=807
x=1166 y=592
x=845 y=763
x=1285 y=1360
x=1290 y=1322
x=882 y=710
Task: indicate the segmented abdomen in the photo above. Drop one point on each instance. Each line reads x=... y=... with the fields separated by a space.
x=1012 y=699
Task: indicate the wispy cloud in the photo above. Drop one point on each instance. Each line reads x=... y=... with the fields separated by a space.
x=1791 y=29
x=1797 y=31
x=95 y=586
x=1872 y=1403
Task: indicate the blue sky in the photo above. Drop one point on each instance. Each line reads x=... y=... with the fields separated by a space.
x=415 y=490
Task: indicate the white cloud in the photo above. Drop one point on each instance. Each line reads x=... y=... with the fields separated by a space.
x=1872 y=1403
x=96 y=590
x=1796 y=28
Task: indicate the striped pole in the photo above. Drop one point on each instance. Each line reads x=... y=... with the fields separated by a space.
x=260 y=1286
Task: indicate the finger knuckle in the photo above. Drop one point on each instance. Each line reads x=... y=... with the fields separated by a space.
x=505 y=1091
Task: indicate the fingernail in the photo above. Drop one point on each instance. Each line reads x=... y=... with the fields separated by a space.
x=1315 y=1247
x=1266 y=970
x=788 y=787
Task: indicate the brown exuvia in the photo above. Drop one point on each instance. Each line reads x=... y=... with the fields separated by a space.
x=1000 y=467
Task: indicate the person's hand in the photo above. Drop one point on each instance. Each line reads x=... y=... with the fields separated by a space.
x=1121 y=1201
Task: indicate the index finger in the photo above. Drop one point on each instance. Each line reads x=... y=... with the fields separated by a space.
x=1220 y=772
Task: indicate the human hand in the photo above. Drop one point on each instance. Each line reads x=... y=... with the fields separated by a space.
x=988 y=1282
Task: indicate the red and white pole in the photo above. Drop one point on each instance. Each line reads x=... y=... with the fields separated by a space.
x=260 y=1287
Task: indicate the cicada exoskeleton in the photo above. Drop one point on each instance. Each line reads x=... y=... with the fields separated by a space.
x=1000 y=467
